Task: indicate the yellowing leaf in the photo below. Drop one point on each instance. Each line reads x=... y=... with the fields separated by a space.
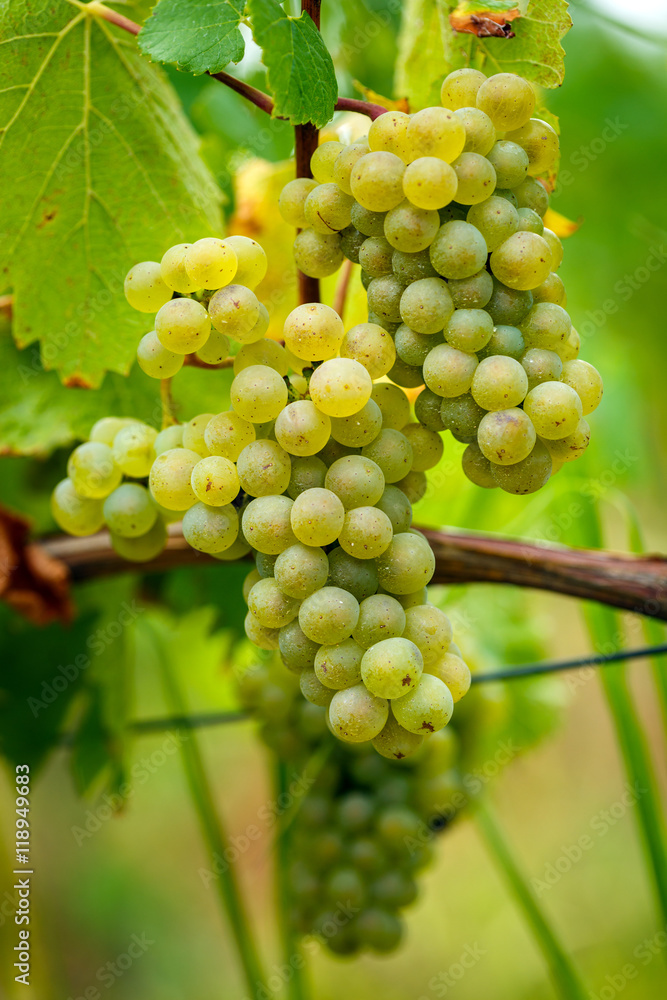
x=559 y=224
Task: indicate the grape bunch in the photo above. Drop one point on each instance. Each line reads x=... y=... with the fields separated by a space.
x=443 y=210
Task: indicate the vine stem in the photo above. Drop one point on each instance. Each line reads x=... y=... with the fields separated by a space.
x=342 y=288
x=168 y=405
x=297 y=987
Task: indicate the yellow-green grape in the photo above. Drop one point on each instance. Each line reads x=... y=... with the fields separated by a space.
x=263 y=352
x=210 y=529
x=499 y=383
x=144 y=288
x=448 y=371
x=546 y=326
x=264 y=468
x=215 y=350
x=172 y=270
x=357 y=481
x=170 y=476
x=430 y=630
x=540 y=142
x=409 y=228
x=508 y=306
x=569 y=350
x=270 y=606
x=477 y=468
x=264 y=638
x=313 y=690
x=358 y=576
x=194 y=434
x=407 y=565
x=267 y=526
x=436 y=132
x=258 y=394
x=586 y=381
x=529 y=221
x=366 y=222
x=458 y=250
x=506 y=436
x=130 y=510
x=317 y=517
x=394 y=405
x=292 y=200
x=75 y=514
x=366 y=532
x=532 y=194
x=391 y=667
x=427 y=447
x=235 y=311
x=338 y=667
x=133 y=449
x=480 y=130
x=215 y=481
x=375 y=256
x=510 y=162
x=356 y=715
x=411 y=347
x=428 y=410
x=329 y=615
x=384 y=298
x=426 y=708
x=210 y=263
x=317 y=255
x=414 y=485
x=182 y=325
x=504 y=340
x=344 y=165
x=300 y=570
x=429 y=182
x=105 y=429
x=496 y=219
x=371 y=345
x=380 y=617
x=237 y=550
x=306 y=473
x=555 y=246
x=528 y=475
x=469 y=330
x=507 y=99
x=569 y=448
x=540 y=366
x=392 y=451
x=552 y=289
x=323 y=159
x=313 y=332
x=251 y=260
x=554 y=408
x=476 y=178
x=461 y=415
x=141 y=548
x=459 y=89
x=523 y=261
x=359 y=429
x=389 y=132
x=169 y=516
x=376 y=181
x=93 y=470
x=397 y=507
x=301 y=429
x=453 y=672
x=327 y=209
x=155 y=360
x=340 y=387
x=395 y=742
x=297 y=651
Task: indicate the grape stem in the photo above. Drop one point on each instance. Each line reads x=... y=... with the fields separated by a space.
x=168 y=405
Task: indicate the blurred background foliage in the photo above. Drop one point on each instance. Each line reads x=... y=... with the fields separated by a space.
x=102 y=878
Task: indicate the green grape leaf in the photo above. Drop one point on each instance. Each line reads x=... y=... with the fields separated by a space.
x=101 y=170
x=300 y=72
x=492 y=6
x=428 y=49
x=535 y=52
x=198 y=36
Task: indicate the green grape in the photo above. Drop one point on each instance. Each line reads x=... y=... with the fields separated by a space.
x=380 y=320
x=75 y=514
x=430 y=630
x=473 y=292
x=351 y=242
x=407 y=565
x=237 y=550
x=251 y=260
x=508 y=306
x=405 y=375
x=409 y=267
x=555 y=246
x=469 y=330
x=429 y=183
x=476 y=178
x=251 y=579
x=586 y=382
x=227 y=434
x=496 y=219
x=510 y=163
x=317 y=517
x=358 y=576
x=506 y=436
x=266 y=524
x=323 y=159
x=215 y=350
x=523 y=261
x=448 y=371
x=306 y=474
x=507 y=195
x=384 y=297
x=296 y=649
x=375 y=256
x=93 y=471
x=301 y=429
x=540 y=142
x=339 y=666
x=329 y=615
x=357 y=481
x=313 y=332
x=526 y=476
x=435 y=132
x=477 y=468
x=265 y=638
x=327 y=208
x=270 y=606
x=316 y=255
x=235 y=311
x=411 y=347
x=333 y=451
x=210 y=263
x=394 y=405
x=506 y=340
x=367 y=222
x=265 y=563
x=546 y=326
x=480 y=130
x=371 y=346
x=380 y=617
x=428 y=410
x=395 y=742
x=499 y=383
x=530 y=222
x=215 y=481
x=541 y=366
x=414 y=485
x=376 y=181
x=531 y=194
x=391 y=667
x=426 y=305
x=410 y=228
x=105 y=429
x=552 y=289
x=170 y=476
x=452 y=213
x=426 y=708
x=144 y=288
x=133 y=449
x=366 y=532
x=344 y=165
x=264 y=468
x=458 y=250
x=507 y=99
x=292 y=200
x=450 y=668
x=262 y=352
x=356 y=715
x=258 y=394
x=172 y=270
x=141 y=548
x=347 y=884
x=461 y=415
x=394 y=889
x=426 y=446
x=300 y=570
x=194 y=434
x=396 y=824
x=554 y=408
x=210 y=529
x=354 y=811
x=130 y=510
x=340 y=387
x=380 y=930
x=459 y=88
x=569 y=350
x=569 y=448
x=389 y=132
x=182 y=326
x=392 y=451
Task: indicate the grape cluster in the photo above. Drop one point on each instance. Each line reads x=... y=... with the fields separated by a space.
x=444 y=212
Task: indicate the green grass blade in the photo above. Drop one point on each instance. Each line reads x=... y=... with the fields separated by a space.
x=293 y=959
